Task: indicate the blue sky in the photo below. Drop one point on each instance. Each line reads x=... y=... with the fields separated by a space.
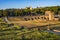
x=26 y=3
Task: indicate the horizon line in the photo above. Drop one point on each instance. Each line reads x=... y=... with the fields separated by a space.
x=28 y=6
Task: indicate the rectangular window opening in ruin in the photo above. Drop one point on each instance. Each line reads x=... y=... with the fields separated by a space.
x=46 y=14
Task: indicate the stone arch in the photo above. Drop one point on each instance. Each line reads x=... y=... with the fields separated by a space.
x=35 y=18
x=41 y=17
x=47 y=18
x=38 y=17
x=44 y=17
x=28 y=18
x=32 y=18
x=25 y=19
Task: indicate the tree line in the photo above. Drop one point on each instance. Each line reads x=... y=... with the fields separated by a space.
x=25 y=12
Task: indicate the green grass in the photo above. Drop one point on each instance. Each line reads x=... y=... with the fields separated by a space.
x=18 y=33
x=1 y=19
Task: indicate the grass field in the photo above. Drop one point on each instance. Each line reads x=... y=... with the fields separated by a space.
x=18 y=33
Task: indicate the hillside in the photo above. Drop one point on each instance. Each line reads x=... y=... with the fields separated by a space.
x=28 y=11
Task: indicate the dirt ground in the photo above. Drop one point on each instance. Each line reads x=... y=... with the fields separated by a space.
x=34 y=23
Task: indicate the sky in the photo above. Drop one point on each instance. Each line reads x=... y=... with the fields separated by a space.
x=4 y=4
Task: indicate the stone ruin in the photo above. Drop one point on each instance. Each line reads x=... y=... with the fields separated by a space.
x=46 y=17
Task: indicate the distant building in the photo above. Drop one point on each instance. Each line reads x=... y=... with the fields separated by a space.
x=30 y=8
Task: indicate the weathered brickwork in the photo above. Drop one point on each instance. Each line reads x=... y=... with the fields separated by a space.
x=47 y=16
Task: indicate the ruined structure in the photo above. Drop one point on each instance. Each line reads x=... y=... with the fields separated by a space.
x=48 y=16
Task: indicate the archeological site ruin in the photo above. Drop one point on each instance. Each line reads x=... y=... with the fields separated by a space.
x=48 y=16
